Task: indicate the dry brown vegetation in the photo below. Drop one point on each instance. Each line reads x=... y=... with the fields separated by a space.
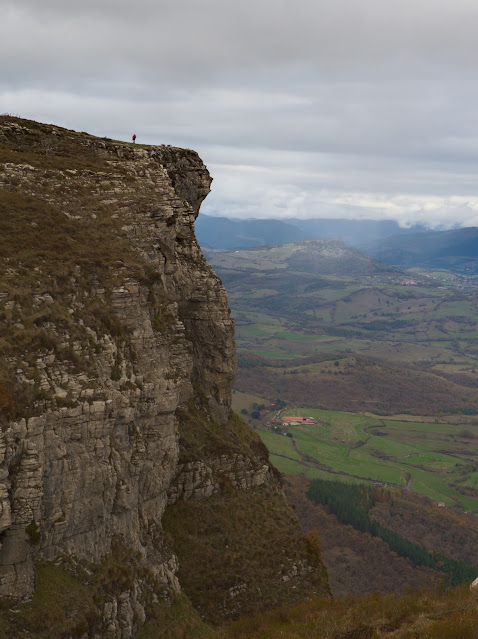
x=238 y=550
x=43 y=253
x=357 y=384
x=199 y=437
x=444 y=530
x=69 y=595
x=59 y=241
x=417 y=614
x=356 y=562
x=231 y=557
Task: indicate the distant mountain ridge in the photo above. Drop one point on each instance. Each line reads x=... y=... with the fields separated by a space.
x=456 y=250
x=321 y=257
x=383 y=240
x=227 y=233
x=224 y=233
x=353 y=232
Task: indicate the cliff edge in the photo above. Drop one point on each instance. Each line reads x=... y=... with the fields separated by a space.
x=117 y=441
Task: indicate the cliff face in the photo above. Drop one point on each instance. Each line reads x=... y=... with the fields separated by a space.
x=117 y=357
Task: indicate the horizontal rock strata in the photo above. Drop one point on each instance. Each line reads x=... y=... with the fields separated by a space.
x=116 y=357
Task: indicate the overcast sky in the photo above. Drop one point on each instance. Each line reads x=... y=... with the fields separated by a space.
x=299 y=108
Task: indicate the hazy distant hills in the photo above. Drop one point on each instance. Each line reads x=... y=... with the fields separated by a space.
x=324 y=257
x=456 y=250
x=352 y=232
x=225 y=233
x=383 y=240
x=406 y=342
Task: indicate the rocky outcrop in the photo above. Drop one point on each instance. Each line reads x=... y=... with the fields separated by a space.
x=201 y=479
x=99 y=461
x=113 y=331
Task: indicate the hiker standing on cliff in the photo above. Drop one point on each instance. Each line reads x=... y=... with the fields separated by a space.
x=134 y=138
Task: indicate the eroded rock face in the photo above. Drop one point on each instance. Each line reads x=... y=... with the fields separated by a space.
x=200 y=479
x=94 y=454
x=116 y=369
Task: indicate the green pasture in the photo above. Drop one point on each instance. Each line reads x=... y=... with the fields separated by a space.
x=323 y=340
x=291 y=467
x=435 y=273
x=257 y=330
x=253 y=317
x=433 y=461
x=320 y=314
x=406 y=418
x=470 y=481
x=461 y=367
x=463 y=308
x=439 y=336
x=342 y=426
x=332 y=343
x=439 y=458
x=444 y=342
x=392 y=449
x=439 y=320
x=300 y=337
x=423 y=428
x=281 y=444
x=242 y=401
x=420 y=290
x=333 y=294
x=277 y=354
x=262 y=292
x=401 y=351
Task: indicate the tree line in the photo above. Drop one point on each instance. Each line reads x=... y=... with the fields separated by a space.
x=350 y=503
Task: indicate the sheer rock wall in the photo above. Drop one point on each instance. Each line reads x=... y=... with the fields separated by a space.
x=116 y=367
x=95 y=456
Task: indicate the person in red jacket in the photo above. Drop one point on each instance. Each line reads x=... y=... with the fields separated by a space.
x=134 y=138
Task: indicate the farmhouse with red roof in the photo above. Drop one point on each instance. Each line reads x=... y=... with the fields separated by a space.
x=296 y=419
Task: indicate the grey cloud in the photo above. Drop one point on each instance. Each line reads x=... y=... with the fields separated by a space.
x=326 y=107
x=207 y=38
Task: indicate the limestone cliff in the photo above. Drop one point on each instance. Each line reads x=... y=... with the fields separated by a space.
x=117 y=356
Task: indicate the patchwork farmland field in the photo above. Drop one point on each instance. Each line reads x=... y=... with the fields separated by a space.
x=356 y=342
x=404 y=340
x=439 y=461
